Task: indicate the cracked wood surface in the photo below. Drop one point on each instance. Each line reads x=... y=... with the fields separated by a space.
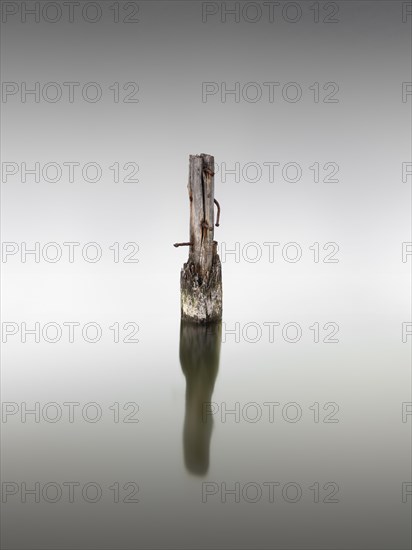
x=201 y=196
x=201 y=279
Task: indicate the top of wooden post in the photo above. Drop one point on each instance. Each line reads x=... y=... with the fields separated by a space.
x=201 y=196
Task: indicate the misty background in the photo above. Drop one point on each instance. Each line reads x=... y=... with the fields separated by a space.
x=169 y=54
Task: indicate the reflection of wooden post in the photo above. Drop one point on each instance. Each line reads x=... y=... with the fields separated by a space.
x=199 y=357
x=201 y=276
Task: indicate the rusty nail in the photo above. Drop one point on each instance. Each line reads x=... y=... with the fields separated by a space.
x=182 y=244
x=218 y=212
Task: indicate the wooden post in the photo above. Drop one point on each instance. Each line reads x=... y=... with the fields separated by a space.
x=201 y=276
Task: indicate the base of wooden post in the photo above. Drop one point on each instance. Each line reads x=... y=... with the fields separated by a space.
x=201 y=300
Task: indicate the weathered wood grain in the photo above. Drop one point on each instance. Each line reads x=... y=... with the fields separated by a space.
x=201 y=277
